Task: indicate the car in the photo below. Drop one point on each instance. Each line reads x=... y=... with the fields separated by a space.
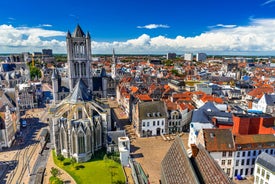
x=24 y=123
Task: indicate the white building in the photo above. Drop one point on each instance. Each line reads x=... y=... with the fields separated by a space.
x=266 y=104
x=188 y=56
x=150 y=118
x=220 y=145
x=124 y=150
x=236 y=155
x=248 y=147
x=201 y=57
x=264 y=169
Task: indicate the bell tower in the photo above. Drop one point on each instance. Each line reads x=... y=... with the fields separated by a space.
x=79 y=58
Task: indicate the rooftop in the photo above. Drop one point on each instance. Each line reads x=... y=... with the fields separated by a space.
x=266 y=161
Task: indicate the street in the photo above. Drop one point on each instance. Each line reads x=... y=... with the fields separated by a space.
x=20 y=163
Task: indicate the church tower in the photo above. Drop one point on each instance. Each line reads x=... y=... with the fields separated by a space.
x=79 y=58
x=113 y=67
x=55 y=86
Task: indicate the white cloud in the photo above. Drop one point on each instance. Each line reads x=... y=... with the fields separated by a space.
x=256 y=38
x=19 y=39
x=223 y=26
x=268 y=2
x=153 y=26
x=45 y=25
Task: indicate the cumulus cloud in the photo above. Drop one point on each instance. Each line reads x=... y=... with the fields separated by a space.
x=256 y=38
x=19 y=39
x=153 y=26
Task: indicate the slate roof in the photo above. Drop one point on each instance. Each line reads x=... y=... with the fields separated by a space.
x=266 y=161
x=79 y=93
x=97 y=83
x=7 y=67
x=269 y=99
x=200 y=115
x=112 y=136
x=150 y=110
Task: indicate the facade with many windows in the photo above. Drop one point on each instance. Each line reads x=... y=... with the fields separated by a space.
x=248 y=148
x=236 y=154
x=220 y=145
x=264 y=169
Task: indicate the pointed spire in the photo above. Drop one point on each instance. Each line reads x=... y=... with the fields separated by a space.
x=78 y=32
x=54 y=74
x=88 y=35
x=113 y=52
x=114 y=57
x=69 y=34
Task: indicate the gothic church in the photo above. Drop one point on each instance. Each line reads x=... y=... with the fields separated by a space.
x=79 y=123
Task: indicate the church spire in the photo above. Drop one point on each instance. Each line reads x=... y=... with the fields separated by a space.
x=114 y=57
x=69 y=34
x=88 y=35
x=78 y=32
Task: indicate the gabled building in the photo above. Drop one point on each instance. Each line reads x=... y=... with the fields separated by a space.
x=264 y=169
x=9 y=118
x=220 y=145
x=266 y=104
x=150 y=118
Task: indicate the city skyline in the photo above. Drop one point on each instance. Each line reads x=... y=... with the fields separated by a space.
x=142 y=27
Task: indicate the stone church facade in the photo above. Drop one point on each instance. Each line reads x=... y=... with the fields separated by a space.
x=79 y=124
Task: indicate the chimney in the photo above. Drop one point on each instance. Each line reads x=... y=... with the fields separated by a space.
x=214 y=121
x=195 y=150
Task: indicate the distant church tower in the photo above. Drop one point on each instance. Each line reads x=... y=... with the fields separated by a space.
x=79 y=58
x=113 y=67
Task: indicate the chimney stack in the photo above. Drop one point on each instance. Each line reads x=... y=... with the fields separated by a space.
x=195 y=150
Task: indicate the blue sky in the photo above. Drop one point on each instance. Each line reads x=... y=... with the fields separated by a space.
x=245 y=27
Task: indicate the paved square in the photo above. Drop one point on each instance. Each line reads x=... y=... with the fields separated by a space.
x=149 y=152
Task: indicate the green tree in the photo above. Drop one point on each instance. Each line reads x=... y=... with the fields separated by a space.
x=54 y=172
x=73 y=161
x=35 y=72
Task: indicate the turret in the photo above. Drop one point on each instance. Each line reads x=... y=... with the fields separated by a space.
x=55 y=85
x=69 y=34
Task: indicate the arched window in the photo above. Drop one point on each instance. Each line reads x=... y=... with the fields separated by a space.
x=73 y=142
x=89 y=143
x=81 y=143
x=98 y=135
x=62 y=139
x=83 y=69
x=79 y=113
x=76 y=69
